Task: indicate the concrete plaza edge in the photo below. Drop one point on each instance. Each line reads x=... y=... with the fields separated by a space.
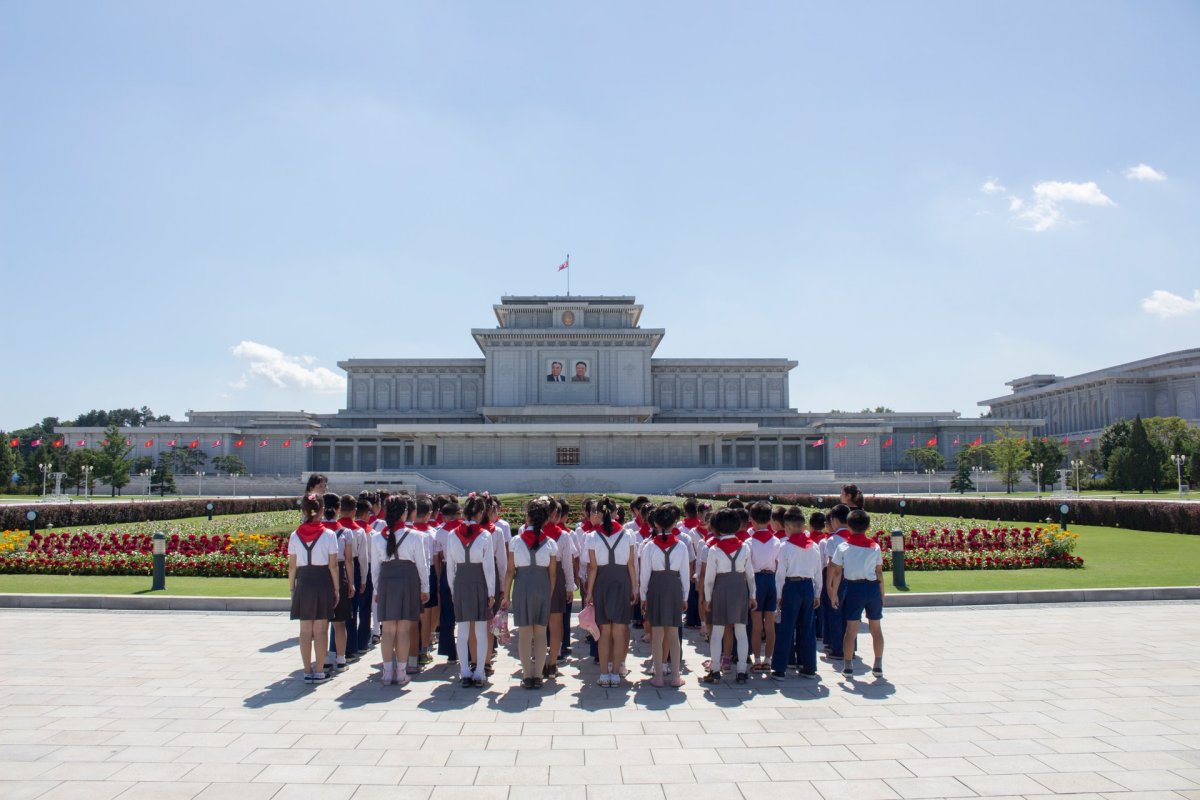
x=893 y=600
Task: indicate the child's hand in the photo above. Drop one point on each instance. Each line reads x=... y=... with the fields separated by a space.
x=424 y=598
x=778 y=616
x=753 y=604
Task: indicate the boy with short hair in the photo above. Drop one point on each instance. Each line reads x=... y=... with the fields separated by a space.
x=798 y=585
x=857 y=566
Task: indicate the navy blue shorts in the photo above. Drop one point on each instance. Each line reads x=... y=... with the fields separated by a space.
x=432 y=602
x=862 y=597
x=764 y=593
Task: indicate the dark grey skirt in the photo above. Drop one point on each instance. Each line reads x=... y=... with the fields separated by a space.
x=664 y=606
x=611 y=593
x=730 y=600
x=471 y=601
x=560 y=600
x=531 y=596
x=313 y=598
x=399 y=591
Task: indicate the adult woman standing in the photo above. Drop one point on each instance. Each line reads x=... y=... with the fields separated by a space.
x=528 y=586
x=313 y=585
x=610 y=582
x=400 y=575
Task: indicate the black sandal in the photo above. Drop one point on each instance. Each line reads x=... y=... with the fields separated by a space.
x=711 y=677
x=538 y=683
x=527 y=683
x=466 y=683
x=742 y=677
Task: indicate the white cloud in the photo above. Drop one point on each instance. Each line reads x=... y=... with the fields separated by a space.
x=284 y=371
x=1044 y=210
x=992 y=186
x=1144 y=172
x=1165 y=305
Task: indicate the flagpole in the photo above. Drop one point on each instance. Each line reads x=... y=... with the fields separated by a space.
x=568 y=274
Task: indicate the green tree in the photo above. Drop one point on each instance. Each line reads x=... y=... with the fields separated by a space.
x=1112 y=437
x=182 y=460
x=162 y=480
x=1144 y=470
x=230 y=464
x=1010 y=454
x=113 y=462
x=74 y=468
x=925 y=458
x=961 y=482
x=1051 y=455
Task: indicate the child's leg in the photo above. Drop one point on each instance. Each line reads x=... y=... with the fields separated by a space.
x=876 y=627
x=387 y=642
x=848 y=641
x=729 y=638
x=605 y=647
x=320 y=635
x=339 y=639
x=743 y=647
x=788 y=608
x=675 y=650
x=716 y=646
x=656 y=647
x=555 y=635
x=769 y=632
x=539 y=647
x=481 y=637
x=619 y=649
x=306 y=644
x=525 y=650
x=462 y=642
x=756 y=635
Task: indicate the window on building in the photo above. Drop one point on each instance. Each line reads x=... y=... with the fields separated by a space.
x=431 y=455
x=566 y=456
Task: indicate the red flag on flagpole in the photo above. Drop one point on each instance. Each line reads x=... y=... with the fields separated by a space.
x=81 y=443
x=38 y=443
x=841 y=443
x=128 y=442
x=14 y=442
x=914 y=441
x=565 y=264
x=819 y=442
x=864 y=442
x=978 y=441
x=1087 y=440
x=193 y=444
x=171 y=443
x=308 y=443
x=239 y=443
x=932 y=442
x=148 y=443
x=58 y=443
x=287 y=442
x=1066 y=440
x=956 y=442
x=888 y=443
x=216 y=443
x=262 y=443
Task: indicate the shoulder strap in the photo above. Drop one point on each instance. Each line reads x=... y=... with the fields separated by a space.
x=308 y=548
x=400 y=541
x=612 y=549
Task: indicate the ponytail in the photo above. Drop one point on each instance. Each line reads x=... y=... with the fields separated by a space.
x=537 y=512
x=394 y=513
x=606 y=507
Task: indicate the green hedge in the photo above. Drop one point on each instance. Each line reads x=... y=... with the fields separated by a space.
x=1148 y=515
x=61 y=515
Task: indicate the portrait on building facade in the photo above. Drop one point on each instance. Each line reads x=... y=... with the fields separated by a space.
x=569 y=370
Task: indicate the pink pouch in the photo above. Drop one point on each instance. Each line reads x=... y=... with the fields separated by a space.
x=500 y=627
x=587 y=620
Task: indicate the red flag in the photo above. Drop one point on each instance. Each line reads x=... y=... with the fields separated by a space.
x=841 y=443
x=14 y=442
x=1066 y=440
x=864 y=442
x=216 y=443
x=914 y=441
x=287 y=443
x=888 y=443
x=1044 y=439
x=978 y=441
x=932 y=442
x=955 y=443
x=819 y=442
x=1087 y=440
x=565 y=264
x=308 y=443
x=81 y=443
x=58 y=443
x=128 y=442
x=38 y=443
x=239 y=443
x=106 y=442
x=148 y=443
x=263 y=443
x=193 y=444
x=171 y=443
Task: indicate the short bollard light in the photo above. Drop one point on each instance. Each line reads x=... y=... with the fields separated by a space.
x=1063 y=511
x=898 y=559
x=32 y=517
x=159 y=545
x=903 y=505
x=209 y=509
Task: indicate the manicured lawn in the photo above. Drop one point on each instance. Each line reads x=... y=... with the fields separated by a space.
x=1111 y=558
x=135 y=584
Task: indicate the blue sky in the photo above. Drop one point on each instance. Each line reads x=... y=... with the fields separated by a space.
x=205 y=206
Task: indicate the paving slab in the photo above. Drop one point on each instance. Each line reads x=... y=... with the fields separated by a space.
x=996 y=701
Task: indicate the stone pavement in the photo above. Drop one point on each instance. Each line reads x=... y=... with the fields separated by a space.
x=1082 y=701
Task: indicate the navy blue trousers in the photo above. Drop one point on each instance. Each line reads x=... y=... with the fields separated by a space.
x=795 y=618
x=446 y=645
x=364 y=613
x=835 y=624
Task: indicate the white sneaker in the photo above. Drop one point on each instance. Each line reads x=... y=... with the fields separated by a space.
x=386 y=676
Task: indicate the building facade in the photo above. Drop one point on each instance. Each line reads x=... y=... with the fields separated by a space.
x=1163 y=386
x=569 y=396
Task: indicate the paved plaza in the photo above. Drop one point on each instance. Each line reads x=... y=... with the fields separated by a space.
x=1085 y=701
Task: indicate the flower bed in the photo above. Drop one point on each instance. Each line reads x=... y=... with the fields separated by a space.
x=944 y=548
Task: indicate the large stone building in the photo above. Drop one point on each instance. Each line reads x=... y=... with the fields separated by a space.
x=569 y=396
x=1161 y=386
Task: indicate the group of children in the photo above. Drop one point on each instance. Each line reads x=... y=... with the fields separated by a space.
x=392 y=570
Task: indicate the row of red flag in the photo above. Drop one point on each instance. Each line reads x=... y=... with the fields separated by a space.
x=192 y=445
x=931 y=442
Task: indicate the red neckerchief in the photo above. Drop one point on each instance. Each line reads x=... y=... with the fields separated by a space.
x=644 y=530
x=452 y=526
x=330 y=525
x=363 y=525
x=490 y=527
x=399 y=526
x=781 y=534
x=861 y=540
x=703 y=531
x=468 y=533
x=800 y=540
x=665 y=543
x=438 y=520
x=348 y=523
x=553 y=531
x=530 y=538
x=818 y=536
x=692 y=522
x=763 y=536
x=743 y=536
x=727 y=544
x=309 y=532
x=615 y=528
x=423 y=527
x=587 y=526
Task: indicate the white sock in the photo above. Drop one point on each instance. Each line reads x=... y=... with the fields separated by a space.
x=412 y=661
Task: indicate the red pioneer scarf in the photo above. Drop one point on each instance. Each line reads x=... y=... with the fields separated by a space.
x=861 y=540
x=692 y=522
x=309 y=532
x=665 y=543
x=468 y=533
x=727 y=544
x=764 y=536
x=800 y=540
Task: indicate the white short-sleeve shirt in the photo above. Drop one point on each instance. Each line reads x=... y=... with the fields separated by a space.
x=547 y=551
x=654 y=559
x=858 y=563
x=598 y=544
x=325 y=546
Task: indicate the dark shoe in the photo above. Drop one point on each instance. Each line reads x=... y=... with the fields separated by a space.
x=778 y=676
x=489 y=670
x=742 y=677
x=538 y=683
x=466 y=683
x=476 y=683
x=527 y=683
x=711 y=677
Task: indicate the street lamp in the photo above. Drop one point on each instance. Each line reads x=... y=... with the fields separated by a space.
x=1177 y=460
x=897 y=474
x=929 y=475
x=87 y=474
x=1077 y=465
x=146 y=475
x=1038 y=467
x=45 y=468
x=199 y=482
